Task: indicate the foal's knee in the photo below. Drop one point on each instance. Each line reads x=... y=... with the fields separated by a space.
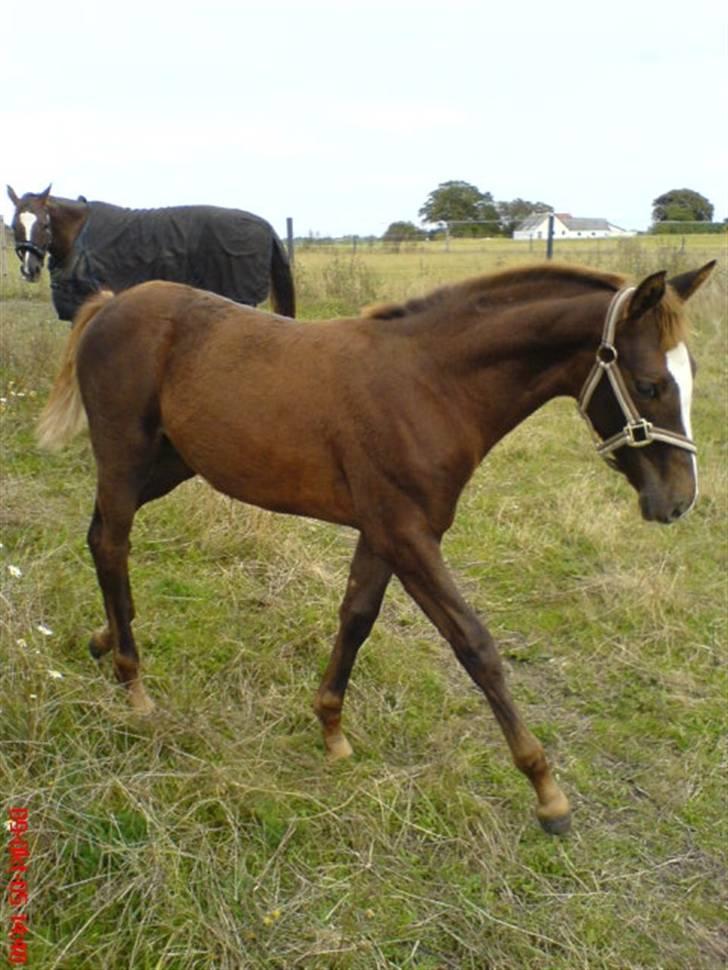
x=93 y=536
x=357 y=622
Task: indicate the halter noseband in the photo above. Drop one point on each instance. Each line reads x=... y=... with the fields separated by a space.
x=30 y=247
x=637 y=432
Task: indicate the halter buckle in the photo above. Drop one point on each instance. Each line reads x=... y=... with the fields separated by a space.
x=638 y=433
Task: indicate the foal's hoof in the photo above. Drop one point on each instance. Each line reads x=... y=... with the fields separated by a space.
x=556 y=826
x=98 y=646
x=338 y=748
x=140 y=701
x=555 y=815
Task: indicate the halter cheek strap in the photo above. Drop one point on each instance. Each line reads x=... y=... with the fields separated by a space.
x=637 y=431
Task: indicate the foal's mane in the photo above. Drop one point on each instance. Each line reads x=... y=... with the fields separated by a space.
x=668 y=314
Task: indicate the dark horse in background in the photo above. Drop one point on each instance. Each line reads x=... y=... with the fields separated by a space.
x=94 y=246
x=376 y=423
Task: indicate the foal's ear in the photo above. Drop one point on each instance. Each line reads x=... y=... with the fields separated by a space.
x=647 y=295
x=43 y=196
x=12 y=196
x=687 y=283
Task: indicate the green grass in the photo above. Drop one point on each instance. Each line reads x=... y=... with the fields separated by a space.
x=215 y=835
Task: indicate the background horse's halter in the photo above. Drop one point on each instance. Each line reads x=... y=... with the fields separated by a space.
x=30 y=247
x=637 y=432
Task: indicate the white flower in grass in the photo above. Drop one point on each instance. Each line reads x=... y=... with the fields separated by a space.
x=55 y=674
x=15 y=571
x=45 y=630
x=22 y=643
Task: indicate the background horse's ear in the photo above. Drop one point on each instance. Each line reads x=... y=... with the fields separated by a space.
x=687 y=283
x=12 y=196
x=647 y=295
x=43 y=196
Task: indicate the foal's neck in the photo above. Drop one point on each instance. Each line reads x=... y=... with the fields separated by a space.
x=524 y=353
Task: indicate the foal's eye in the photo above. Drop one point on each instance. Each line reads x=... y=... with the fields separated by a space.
x=646 y=388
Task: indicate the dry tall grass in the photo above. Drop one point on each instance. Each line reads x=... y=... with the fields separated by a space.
x=215 y=835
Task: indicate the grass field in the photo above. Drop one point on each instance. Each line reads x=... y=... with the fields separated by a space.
x=215 y=835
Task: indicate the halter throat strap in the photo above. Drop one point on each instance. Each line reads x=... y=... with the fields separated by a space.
x=637 y=432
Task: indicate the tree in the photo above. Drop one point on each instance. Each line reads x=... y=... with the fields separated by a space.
x=462 y=206
x=514 y=212
x=682 y=205
x=400 y=231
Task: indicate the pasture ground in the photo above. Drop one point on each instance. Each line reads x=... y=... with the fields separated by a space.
x=215 y=835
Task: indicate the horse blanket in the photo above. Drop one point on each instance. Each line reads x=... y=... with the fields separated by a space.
x=227 y=251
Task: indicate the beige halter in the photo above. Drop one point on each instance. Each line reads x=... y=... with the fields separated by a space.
x=637 y=432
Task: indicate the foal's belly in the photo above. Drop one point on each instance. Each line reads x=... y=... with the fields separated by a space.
x=283 y=469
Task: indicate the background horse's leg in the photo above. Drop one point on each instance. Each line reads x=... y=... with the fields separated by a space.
x=420 y=567
x=368 y=579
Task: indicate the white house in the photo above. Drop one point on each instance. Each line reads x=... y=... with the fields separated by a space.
x=536 y=226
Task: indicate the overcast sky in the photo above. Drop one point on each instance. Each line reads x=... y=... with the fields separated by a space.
x=346 y=115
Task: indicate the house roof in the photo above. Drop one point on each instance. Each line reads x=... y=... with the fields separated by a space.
x=574 y=224
x=583 y=225
x=532 y=221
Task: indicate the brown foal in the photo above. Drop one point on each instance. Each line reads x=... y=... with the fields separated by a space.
x=375 y=422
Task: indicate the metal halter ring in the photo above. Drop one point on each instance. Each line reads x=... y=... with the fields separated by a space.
x=605 y=349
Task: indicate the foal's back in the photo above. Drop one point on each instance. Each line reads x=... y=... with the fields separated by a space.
x=295 y=417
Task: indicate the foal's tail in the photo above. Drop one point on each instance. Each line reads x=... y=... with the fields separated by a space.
x=282 y=291
x=64 y=416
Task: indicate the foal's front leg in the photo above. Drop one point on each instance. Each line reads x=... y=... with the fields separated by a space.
x=368 y=579
x=420 y=567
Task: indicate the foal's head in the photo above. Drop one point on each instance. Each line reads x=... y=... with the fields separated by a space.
x=651 y=430
x=32 y=231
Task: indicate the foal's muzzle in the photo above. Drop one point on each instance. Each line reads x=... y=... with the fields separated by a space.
x=655 y=511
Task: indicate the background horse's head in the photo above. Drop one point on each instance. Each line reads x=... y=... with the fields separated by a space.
x=32 y=231
x=644 y=418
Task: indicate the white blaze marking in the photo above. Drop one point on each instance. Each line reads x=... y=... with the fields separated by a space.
x=678 y=363
x=27 y=220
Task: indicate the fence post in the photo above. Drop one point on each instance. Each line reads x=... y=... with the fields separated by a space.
x=289 y=239
x=3 y=249
x=550 y=238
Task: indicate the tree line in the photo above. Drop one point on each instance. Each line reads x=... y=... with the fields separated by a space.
x=469 y=212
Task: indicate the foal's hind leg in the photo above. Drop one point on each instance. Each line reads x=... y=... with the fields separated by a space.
x=368 y=579
x=109 y=544
x=108 y=539
x=420 y=567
